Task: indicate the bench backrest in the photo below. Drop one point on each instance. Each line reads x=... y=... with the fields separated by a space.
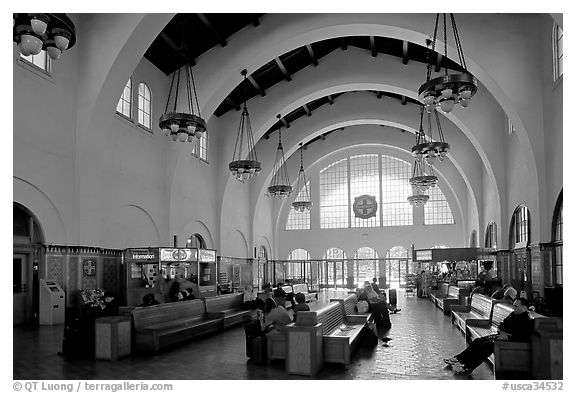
x=330 y=317
x=454 y=291
x=481 y=304
x=220 y=303
x=287 y=288
x=349 y=304
x=299 y=288
x=188 y=309
x=443 y=289
x=499 y=312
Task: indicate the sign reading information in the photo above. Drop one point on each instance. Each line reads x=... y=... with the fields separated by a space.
x=365 y=206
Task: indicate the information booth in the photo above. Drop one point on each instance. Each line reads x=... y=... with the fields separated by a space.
x=148 y=270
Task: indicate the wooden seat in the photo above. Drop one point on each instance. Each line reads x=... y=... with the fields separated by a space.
x=454 y=297
x=303 y=288
x=442 y=291
x=349 y=303
x=479 y=309
x=163 y=325
x=229 y=308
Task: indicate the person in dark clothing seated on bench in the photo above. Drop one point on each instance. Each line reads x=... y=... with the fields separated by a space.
x=515 y=327
x=148 y=300
x=301 y=306
x=250 y=300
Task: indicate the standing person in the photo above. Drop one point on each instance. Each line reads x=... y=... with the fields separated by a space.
x=420 y=283
x=375 y=285
x=515 y=327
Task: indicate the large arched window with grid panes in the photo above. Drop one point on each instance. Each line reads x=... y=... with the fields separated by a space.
x=144 y=105
x=437 y=210
x=381 y=177
x=124 y=106
x=398 y=266
x=490 y=239
x=299 y=220
x=558 y=56
x=520 y=227
x=366 y=265
x=557 y=238
x=296 y=270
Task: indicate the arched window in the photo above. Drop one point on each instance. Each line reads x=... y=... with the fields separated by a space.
x=557 y=238
x=124 y=106
x=294 y=270
x=196 y=241
x=558 y=49
x=520 y=227
x=299 y=220
x=200 y=148
x=382 y=177
x=474 y=239
x=144 y=105
x=366 y=259
x=437 y=210
x=332 y=271
x=41 y=60
x=491 y=239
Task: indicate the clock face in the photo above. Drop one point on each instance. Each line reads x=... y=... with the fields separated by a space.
x=89 y=267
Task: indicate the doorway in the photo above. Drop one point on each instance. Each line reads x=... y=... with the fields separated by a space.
x=22 y=288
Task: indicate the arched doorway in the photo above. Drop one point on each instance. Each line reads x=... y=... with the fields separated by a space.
x=28 y=238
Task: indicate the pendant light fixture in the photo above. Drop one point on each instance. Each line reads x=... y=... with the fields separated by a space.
x=33 y=32
x=427 y=148
x=450 y=89
x=302 y=200
x=183 y=123
x=280 y=185
x=244 y=169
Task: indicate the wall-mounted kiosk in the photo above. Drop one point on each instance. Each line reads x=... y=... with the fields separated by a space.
x=52 y=303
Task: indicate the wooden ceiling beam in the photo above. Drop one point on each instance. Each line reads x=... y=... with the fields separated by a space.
x=212 y=30
x=177 y=49
x=307 y=110
x=405 y=57
x=373 y=46
x=283 y=69
x=312 y=55
x=232 y=103
x=256 y=86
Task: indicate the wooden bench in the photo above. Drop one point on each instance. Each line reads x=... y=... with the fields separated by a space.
x=479 y=309
x=303 y=288
x=340 y=333
x=442 y=291
x=514 y=358
x=455 y=294
x=229 y=308
x=163 y=325
x=349 y=304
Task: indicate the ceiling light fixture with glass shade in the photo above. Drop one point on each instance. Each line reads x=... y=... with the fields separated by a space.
x=302 y=200
x=450 y=89
x=244 y=168
x=33 y=32
x=183 y=123
x=427 y=148
x=280 y=184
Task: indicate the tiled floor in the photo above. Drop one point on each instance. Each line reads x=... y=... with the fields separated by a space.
x=422 y=337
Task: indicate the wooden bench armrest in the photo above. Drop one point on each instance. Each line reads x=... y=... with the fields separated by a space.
x=460 y=308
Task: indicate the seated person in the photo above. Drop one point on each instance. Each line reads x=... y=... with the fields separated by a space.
x=375 y=285
x=510 y=295
x=515 y=327
x=175 y=295
x=184 y=295
x=301 y=304
x=190 y=294
x=110 y=305
x=498 y=294
x=369 y=291
x=251 y=300
x=279 y=292
x=275 y=317
x=148 y=300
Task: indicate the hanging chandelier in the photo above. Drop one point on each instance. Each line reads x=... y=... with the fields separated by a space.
x=244 y=169
x=280 y=185
x=422 y=177
x=450 y=89
x=418 y=199
x=33 y=32
x=302 y=201
x=181 y=125
x=427 y=148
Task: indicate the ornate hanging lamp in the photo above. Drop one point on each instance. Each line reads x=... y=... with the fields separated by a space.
x=427 y=148
x=302 y=200
x=33 y=32
x=418 y=199
x=280 y=185
x=183 y=124
x=450 y=89
x=244 y=169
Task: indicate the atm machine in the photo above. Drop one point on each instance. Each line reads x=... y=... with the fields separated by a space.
x=52 y=303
